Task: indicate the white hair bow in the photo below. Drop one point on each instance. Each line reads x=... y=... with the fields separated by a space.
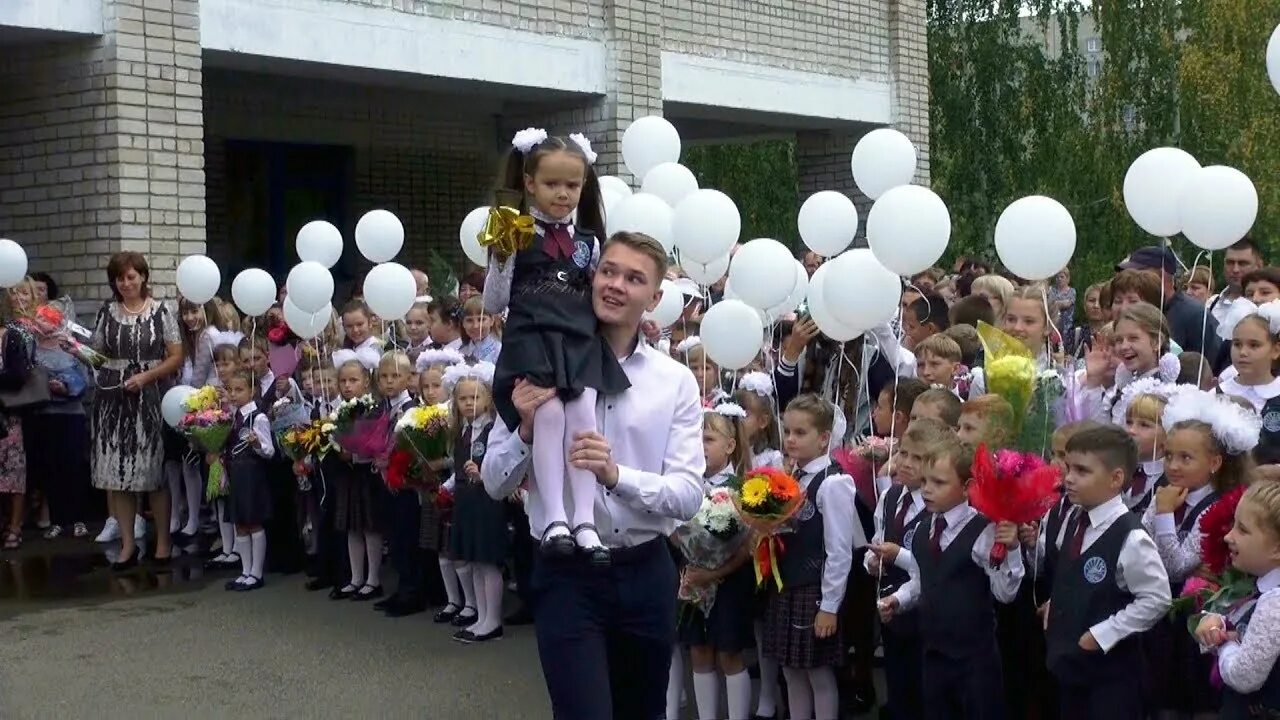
x=528 y=139
x=1142 y=386
x=584 y=145
x=729 y=409
x=443 y=356
x=687 y=344
x=1235 y=428
x=225 y=337
x=757 y=382
x=366 y=356
x=481 y=372
x=1242 y=308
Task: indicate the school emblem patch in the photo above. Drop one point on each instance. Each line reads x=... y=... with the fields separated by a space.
x=909 y=536
x=1271 y=422
x=806 y=512
x=477 y=450
x=581 y=254
x=1095 y=570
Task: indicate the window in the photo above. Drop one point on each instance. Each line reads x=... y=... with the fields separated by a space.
x=1094 y=44
x=1093 y=68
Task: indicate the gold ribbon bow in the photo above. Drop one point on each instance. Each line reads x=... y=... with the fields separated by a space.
x=506 y=232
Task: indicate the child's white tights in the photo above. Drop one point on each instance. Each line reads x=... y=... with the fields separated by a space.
x=555 y=427
x=364 y=550
x=812 y=693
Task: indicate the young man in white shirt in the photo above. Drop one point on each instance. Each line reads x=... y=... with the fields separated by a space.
x=605 y=635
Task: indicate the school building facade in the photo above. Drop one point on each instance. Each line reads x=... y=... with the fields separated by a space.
x=175 y=127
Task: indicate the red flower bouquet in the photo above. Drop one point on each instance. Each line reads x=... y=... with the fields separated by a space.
x=1012 y=486
x=766 y=499
x=1226 y=587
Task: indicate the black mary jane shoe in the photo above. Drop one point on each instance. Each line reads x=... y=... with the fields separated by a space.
x=495 y=634
x=597 y=556
x=318 y=584
x=341 y=593
x=462 y=619
x=464 y=636
x=557 y=545
x=129 y=564
x=233 y=585
x=257 y=584
x=445 y=615
x=373 y=594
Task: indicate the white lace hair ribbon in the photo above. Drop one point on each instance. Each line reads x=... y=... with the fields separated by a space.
x=443 y=356
x=1235 y=428
x=366 y=356
x=528 y=138
x=585 y=145
x=757 y=382
x=481 y=372
x=729 y=409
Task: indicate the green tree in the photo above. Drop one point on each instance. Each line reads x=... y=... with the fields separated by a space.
x=761 y=179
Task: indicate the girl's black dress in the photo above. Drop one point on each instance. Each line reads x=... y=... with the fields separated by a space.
x=550 y=337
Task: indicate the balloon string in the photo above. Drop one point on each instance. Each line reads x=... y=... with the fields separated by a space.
x=1204 y=318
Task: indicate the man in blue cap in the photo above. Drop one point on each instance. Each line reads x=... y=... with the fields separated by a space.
x=1188 y=324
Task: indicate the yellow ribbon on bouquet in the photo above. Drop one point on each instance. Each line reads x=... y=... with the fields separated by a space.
x=506 y=231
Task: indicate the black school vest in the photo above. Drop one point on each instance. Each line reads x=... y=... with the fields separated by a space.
x=1262 y=703
x=1268 y=450
x=957 y=611
x=894 y=577
x=1085 y=593
x=806 y=549
x=472 y=449
x=1058 y=516
x=242 y=462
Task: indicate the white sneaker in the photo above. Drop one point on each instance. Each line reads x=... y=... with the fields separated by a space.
x=110 y=531
x=139 y=527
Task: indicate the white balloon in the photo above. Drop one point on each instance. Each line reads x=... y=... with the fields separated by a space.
x=669 y=307
x=1035 y=237
x=389 y=290
x=828 y=222
x=670 y=181
x=614 y=184
x=379 y=235
x=732 y=334
x=861 y=293
x=757 y=273
x=643 y=213
x=609 y=201
x=1219 y=205
x=198 y=278
x=884 y=158
x=254 y=291
x=1273 y=59
x=469 y=235
x=796 y=297
x=310 y=286
x=13 y=263
x=705 y=273
x=705 y=226
x=817 y=306
x=1152 y=187
x=649 y=142
x=321 y=242
x=171 y=408
x=306 y=325
x=908 y=229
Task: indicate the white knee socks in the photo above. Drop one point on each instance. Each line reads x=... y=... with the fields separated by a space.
x=355 y=554
x=706 y=692
x=373 y=551
x=826 y=695
x=173 y=475
x=450 y=577
x=799 y=694
x=675 y=683
x=259 y=540
x=244 y=546
x=226 y=529
x=738 y=694
x=768 y=704
x=465 y=579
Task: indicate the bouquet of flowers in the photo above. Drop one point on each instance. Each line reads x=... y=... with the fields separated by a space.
x=1226 y=589
x=305 y=445
x=1011 y=486
x=422 y=435
x=768 y=498
x=708 y=541
x=362 y=427
x=207 y=426
x=1011 y=373
x=864 y=463
x=49 y=322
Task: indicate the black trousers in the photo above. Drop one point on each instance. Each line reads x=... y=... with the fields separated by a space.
x=331 y=561
x=284 y=537
x=971 y=687
x=605 y=635
x=522 y=550
x=1118 y=700
x=855 y=679
x=57 y=449
x=405 y=518
x=903 y=656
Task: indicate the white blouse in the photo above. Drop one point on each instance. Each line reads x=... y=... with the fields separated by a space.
x=1257 y=395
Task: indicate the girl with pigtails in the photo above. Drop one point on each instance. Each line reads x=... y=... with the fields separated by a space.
x=542 y=277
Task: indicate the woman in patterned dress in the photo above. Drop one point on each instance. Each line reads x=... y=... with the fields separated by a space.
x=16 y=350
x=139 y=335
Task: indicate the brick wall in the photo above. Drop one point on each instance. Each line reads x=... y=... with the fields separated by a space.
x=571 y=18
x=847 y=37
x=55 y=176
x=429 y=158
x=909 y=66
